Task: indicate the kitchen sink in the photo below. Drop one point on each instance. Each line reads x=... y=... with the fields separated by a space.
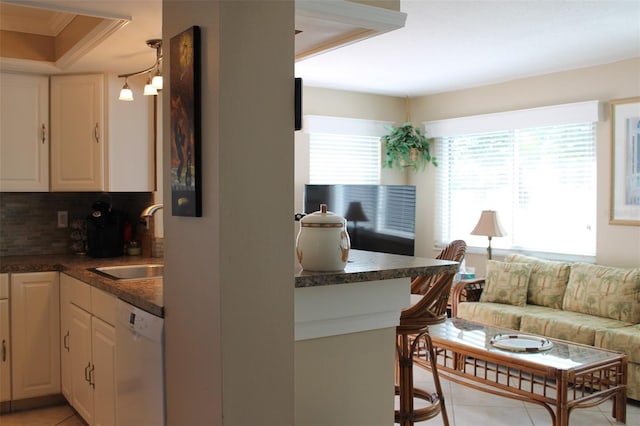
x=130 y=272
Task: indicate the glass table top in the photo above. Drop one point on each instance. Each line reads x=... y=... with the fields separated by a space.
x=562 y=355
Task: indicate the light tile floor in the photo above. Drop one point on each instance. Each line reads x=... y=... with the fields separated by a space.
x=465 y=406
x=59 y=415
x=469 y=407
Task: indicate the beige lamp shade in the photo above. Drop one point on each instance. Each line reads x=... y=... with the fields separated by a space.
x=489 y=225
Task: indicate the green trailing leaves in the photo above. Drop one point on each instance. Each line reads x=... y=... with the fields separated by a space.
x=407 y=146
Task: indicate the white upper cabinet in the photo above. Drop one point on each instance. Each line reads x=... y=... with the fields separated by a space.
x=24 y=132
x=77 y=133
x=97 y=142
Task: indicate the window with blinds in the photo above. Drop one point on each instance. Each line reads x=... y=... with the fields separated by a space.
x=540 y=180
x=347 y=159
x=345 y=154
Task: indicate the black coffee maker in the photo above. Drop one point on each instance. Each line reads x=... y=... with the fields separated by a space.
x=105 y=231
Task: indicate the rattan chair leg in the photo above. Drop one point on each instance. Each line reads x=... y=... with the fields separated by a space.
x=436 y=378
x=404 y=389
x=430 y=309
x=407 y=414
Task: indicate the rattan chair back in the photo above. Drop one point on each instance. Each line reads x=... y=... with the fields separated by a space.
x=432 y=308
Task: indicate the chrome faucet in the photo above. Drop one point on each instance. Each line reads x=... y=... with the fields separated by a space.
x=148 y=212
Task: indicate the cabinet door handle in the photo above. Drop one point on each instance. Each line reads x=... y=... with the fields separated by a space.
x=4 y=350
x=44 y=133
x=96 y=133
x=91 y=382
x=86 y=372
x=65 y=343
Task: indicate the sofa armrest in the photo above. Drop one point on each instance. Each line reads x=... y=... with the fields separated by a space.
x=466 y=291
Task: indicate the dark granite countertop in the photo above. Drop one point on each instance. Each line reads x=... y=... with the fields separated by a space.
x=372 y=266
x=145 y=294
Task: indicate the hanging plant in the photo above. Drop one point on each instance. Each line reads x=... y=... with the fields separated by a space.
x=406 y=146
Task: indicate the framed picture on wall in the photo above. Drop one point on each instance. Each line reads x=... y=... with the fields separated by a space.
x=186 y=171
x=625 y=162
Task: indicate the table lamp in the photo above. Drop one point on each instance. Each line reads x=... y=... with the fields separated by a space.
x=355 y=214
x=489 y=225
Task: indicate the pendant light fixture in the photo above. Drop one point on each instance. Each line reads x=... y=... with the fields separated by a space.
x=126 y=94
x=157 y=79
x=153 y=84
x=149 y=89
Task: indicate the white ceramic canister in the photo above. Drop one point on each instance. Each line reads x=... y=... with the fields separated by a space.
x=323 y=242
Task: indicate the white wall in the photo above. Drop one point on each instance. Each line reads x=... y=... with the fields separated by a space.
x=228 y=285
x=124 y=128
x=616 y=245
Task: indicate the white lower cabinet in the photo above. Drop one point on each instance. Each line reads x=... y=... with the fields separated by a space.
x=65 y=355
x=88 y=367
x=5 y=341
x=80 y=349
x=35 y=334
x=103 y=374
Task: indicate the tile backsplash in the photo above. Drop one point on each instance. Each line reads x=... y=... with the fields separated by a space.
x=28 y=220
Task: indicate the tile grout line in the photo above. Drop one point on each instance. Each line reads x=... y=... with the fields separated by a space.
x=70 y=416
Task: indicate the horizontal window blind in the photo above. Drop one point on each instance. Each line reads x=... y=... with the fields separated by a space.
x=399 y=206
x=348 y=159
x=541 y=181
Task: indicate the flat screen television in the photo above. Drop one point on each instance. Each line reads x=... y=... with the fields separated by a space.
x=380 y=218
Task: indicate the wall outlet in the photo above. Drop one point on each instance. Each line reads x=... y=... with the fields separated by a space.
x=63 y=219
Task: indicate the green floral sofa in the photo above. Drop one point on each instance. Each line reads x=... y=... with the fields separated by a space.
x=583 y=303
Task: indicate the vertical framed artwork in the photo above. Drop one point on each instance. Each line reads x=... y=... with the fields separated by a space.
x=625 y=162
x=186 y=172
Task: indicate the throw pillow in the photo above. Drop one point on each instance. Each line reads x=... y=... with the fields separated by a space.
x=506 y=283
x=604 y=291
x=548 y=280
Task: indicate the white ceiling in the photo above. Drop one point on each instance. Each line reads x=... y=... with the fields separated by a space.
x=121 y=52
x=445 y=45
x=454 y=44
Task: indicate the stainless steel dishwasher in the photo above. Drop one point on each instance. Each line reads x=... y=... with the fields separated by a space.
x=139 y=367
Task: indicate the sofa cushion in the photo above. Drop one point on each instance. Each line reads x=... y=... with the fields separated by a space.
x=566 y=325
x=506 y=283
x=604 y=291
x=548 y=280
x=626 y=339
x=633 y=381
x=495 y=314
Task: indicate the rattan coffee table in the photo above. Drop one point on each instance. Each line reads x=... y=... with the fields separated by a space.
x=559 y=375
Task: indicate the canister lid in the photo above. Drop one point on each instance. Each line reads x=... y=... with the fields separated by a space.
x=322 y=216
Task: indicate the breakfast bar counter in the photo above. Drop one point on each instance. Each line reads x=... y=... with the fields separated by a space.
x=367 y=295
x=373 y=266
x=345 y=337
